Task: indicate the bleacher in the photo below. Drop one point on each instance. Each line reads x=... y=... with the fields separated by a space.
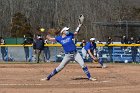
x=119 y=54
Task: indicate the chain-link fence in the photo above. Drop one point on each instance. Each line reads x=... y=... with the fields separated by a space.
x=107 y=53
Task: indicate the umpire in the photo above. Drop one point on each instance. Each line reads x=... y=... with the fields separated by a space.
x=38 y=46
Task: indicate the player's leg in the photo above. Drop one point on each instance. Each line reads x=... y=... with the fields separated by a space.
x=64 y=62
x=79 y=59
x=100 y=61
x=84 y=53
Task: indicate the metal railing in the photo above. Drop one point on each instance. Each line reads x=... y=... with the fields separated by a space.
x=108 y=53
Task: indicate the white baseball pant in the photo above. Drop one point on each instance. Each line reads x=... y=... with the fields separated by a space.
x=68 y=57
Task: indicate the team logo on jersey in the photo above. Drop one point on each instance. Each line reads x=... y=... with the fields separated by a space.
x=65 y=40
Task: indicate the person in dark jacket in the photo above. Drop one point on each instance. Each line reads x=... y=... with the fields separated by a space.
x=38 y=46
x=3 y=49
x=133 y=49
x=83 y=43
x=110 y=48
x=28 y=49
x=47 y=51
x=124 y=40
x=138 y=50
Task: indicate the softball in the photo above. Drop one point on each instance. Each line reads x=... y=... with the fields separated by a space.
x=126 y=61
x=42 y=29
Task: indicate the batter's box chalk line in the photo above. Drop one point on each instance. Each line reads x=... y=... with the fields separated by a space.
x=90 y=82
x=21 y=84
x=44 y=84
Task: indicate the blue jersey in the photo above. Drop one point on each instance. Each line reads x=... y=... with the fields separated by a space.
x=90 y=46
x=67 y=42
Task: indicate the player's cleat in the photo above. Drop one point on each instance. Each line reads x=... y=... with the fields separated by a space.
x=48 y=61
x=44 y=79
x=92 y=79
x=104 y=66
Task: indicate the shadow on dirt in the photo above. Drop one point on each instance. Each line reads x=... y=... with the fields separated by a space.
x=80 y=78
x=94 y=66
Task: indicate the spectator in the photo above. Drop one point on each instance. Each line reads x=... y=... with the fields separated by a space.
x=3 y=49
x=38 y=46
x=124 y=40
x=47 y=51
x=75 y=40
x=28 y=49
x=110 y=48
x=83 y=43
x=138 y=42
x=100 y=49
x=99 y=42
x=133 y=49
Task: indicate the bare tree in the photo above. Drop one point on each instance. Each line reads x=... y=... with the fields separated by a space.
x=59 y=13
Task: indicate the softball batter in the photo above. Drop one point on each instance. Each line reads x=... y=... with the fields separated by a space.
x=65 y=39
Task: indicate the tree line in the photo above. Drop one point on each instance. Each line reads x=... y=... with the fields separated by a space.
x=19 y=17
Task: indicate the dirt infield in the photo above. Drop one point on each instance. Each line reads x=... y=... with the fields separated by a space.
x=25 y=78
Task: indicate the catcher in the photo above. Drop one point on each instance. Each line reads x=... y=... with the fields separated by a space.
x=90 y=48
